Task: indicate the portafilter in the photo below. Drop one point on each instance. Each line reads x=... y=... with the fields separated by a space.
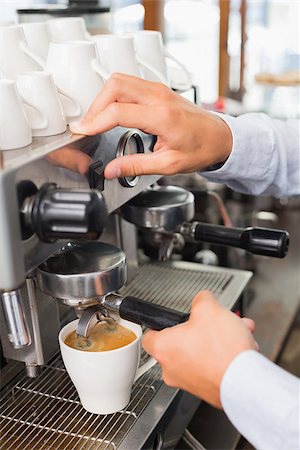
x=86 y=276
x=167 y=211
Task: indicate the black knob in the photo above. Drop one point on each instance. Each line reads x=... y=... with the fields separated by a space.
x=96 y=175
x=60 y=213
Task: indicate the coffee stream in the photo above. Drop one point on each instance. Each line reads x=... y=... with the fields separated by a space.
x=102 y=338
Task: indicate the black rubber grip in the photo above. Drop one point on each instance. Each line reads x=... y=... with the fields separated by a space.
x=150 y=315
x=260 y=241
x=67 y=213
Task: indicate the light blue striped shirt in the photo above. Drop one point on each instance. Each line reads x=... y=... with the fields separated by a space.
x=265 y=157
x=261 y=399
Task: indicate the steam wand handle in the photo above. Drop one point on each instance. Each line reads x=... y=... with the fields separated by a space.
x=257 y=240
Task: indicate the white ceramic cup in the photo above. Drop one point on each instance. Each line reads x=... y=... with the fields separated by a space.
x=37 y=37
x=15 y=131
x=117 y=54
x=17 y=57
x=77 y=71
x=67 y=29
x=39 y=90
x=15 y=54
x=104 y=379
x=149 y=46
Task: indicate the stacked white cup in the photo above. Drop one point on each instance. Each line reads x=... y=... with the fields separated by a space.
x=150 y=48
x=31 y=101
x=58 y=64
x=15 y=131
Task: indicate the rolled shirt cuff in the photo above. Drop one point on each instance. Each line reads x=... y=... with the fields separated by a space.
x=244 y=170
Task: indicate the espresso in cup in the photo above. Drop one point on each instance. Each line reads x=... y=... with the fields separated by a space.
x=104 y=379
x=103 y=337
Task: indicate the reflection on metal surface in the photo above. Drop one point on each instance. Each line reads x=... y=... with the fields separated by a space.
x=70 y=158
x=129 y=144
x=162 y=208
x=40 y=147
x=17 y=327
x=83 y=271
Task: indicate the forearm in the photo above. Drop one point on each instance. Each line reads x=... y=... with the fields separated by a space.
x=262 y=402
x=265 y=157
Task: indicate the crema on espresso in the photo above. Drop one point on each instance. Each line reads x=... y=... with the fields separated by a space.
x=102 y=338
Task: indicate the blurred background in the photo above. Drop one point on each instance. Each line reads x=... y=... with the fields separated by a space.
x=244 y=54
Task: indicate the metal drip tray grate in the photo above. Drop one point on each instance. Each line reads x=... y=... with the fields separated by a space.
x=45 y=412
x=173 y=286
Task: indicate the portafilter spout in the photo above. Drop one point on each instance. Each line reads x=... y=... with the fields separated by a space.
x=170 y=209
x=86 y=276
x=90 y=317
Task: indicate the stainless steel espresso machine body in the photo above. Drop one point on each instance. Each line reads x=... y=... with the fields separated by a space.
x=53 y=197
x=43 y=205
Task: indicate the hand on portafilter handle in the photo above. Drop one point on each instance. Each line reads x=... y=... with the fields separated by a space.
x=195 y=355
x=188 y=138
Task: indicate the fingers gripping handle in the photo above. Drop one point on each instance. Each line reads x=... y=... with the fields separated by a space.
x=150 y=315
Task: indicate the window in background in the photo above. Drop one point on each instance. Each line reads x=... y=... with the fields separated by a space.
x=128 y=15
x=272 y=69
x=192 y=35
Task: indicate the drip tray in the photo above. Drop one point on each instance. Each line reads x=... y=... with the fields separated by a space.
x=45 y=412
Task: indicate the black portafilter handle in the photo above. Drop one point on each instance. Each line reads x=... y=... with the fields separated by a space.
x=257 y=240
x=61 y=213
x=144 y=313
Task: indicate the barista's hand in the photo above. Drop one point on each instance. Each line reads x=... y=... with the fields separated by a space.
x=195 y=355
x=188 y=138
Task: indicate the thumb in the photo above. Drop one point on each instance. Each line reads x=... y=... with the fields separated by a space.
x=139 y=164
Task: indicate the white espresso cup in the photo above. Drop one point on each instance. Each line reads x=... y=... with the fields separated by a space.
x=38 y=89
x=78 y=74
x=15 y=54
x=15 y=131
x=37 y=38
x=117 y=54
x=104 y=380
x=149 y=46
x=67 y=29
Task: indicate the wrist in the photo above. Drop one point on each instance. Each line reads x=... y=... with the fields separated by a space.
x=220 y=140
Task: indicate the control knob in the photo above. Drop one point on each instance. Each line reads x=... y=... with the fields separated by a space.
x=60 y=213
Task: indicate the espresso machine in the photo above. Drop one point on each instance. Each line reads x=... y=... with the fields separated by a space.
x=69 y=247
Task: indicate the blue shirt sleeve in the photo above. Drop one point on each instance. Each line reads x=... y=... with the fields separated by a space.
x=265 y=157
x=263 y=402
